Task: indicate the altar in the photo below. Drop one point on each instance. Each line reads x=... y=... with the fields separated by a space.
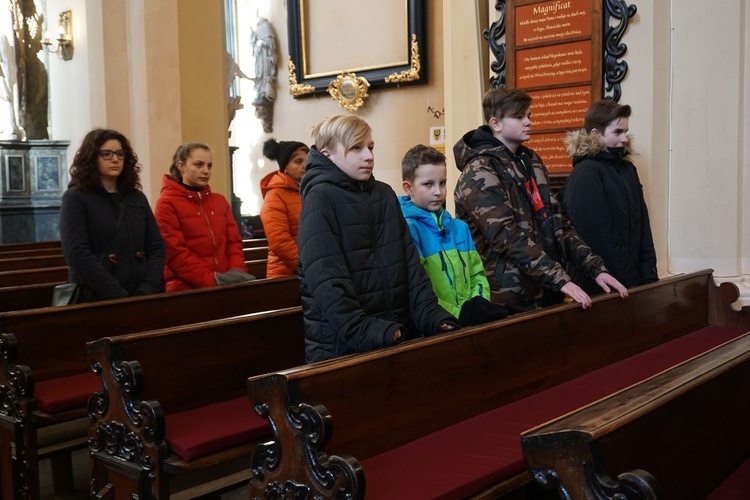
x=33 y=176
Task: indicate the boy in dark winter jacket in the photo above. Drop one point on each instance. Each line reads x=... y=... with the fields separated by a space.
x=362 y=284
x=503 y=193
x=446 y=249
x=604 y=198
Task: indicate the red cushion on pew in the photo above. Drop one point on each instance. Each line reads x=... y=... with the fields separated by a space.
x=469 y=457
x=735 y=487
x=208 y=429
x=66 y=393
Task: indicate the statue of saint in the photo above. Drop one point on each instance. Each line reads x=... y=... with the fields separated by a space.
x=263 y=40
x=9 y=129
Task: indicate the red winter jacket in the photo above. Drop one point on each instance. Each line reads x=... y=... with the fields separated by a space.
x=280 y=216
x=200 y=236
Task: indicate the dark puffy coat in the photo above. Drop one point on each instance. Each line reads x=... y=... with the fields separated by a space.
x=87 y=224
x=200 y=235
x=360 y=275
x=603 y=197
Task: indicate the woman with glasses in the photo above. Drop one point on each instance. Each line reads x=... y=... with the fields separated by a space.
x=203 y=245
x=109 y=235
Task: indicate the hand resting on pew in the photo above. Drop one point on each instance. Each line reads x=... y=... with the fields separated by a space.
x=605 y=280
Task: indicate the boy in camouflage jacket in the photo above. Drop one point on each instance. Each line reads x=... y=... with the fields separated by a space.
x=518 y=228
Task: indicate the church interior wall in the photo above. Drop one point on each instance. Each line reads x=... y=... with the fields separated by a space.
x=155 y=70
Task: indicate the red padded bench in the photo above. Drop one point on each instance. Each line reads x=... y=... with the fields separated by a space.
x=440 y=418
x=46 y=377
x=175 y=408
x=678 y=434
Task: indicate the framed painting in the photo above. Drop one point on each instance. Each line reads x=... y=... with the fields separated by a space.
x=341 y=44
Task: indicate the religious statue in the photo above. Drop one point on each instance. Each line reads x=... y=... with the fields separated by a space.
x=9 y=129
x=263 y=41
x=234 y=101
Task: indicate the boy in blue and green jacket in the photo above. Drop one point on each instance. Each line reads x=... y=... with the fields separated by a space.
x=445 y=245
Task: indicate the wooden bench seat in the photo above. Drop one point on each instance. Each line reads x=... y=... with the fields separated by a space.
x=255 y=242
x=257 y=267
x=33 y=276
x=190 y=383
x=473 y=455
x=255 y=253
x=32 y=262
x=40 y=348
x=16 y=298
x=33 y=246
x=419 y=417
x=679 y=434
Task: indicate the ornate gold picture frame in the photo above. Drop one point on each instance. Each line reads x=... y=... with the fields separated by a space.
x=350 y=85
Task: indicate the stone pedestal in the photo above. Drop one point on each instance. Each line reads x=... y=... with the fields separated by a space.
x=33 y=176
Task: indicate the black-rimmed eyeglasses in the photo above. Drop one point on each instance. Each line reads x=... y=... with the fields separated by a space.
x=107 y=154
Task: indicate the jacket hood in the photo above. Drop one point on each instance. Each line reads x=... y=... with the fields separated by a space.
x=411 y=211
x=319 y=169
x=474 y=143
x=277 y=180
x=170 y=187
x=582 y=144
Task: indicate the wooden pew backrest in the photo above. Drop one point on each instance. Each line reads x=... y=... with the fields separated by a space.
x=51 y=340
x=392 y=397
x=485 y=367
x=687 y=427
x=151 y=375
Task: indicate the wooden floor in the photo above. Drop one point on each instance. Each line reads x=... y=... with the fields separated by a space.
x=81 y=474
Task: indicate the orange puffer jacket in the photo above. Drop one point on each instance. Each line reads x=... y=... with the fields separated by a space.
x=280 y=216
x=200 y=236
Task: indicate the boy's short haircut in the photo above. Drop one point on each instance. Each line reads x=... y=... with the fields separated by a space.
x=347 y=129
x=419 y=155
x=502 y=102
x=604 y=112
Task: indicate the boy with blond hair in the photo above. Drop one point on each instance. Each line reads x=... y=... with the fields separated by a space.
x=362 y=284
x=445 y=247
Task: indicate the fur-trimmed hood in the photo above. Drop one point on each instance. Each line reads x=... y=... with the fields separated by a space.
x=582 y=144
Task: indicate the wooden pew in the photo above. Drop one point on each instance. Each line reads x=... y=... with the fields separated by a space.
x=257 y=267
x=174 y=409
x=12 y=254
x=34 y=245
x=44 y=372
x=59 y=274
x=255 y=253
x=17 y=298
x=255 y=242
x=33 y=276
x=32 y=262
x=441 y=417
x=679 y=434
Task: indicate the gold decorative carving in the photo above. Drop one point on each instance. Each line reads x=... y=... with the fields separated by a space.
x=412 y=73
x=297 y=89
x=349 y=90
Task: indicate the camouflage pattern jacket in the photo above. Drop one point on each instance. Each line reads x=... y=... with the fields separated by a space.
x=491 y=198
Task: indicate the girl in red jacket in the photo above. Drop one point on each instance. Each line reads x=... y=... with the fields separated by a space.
x=282 y=205
x=203 y=245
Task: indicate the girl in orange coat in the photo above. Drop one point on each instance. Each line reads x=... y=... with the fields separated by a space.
x=282 y=205
x=203 y=245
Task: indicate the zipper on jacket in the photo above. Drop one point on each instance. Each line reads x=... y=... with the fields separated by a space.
x=210 y=230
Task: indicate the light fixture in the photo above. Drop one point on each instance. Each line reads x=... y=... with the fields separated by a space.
x=63 y=44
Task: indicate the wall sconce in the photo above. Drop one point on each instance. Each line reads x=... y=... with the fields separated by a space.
x=63 y=44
